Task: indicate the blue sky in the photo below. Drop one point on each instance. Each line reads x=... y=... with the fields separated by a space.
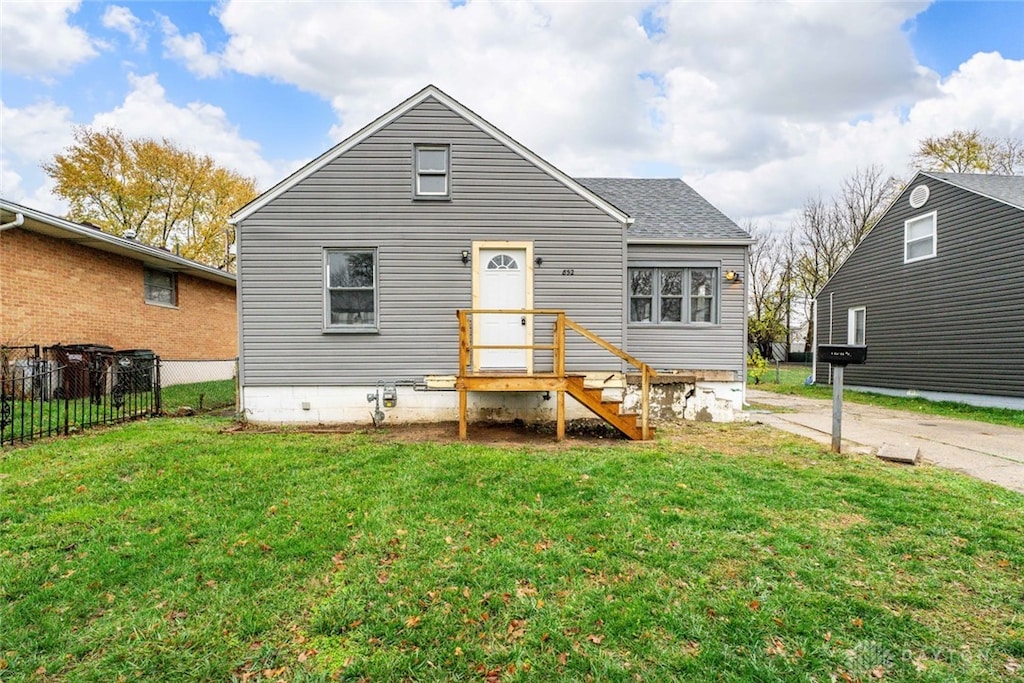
x=758 y=105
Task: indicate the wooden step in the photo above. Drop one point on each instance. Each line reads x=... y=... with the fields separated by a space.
x=608 y=411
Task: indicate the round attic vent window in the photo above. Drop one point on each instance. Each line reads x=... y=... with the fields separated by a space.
x=918 y=196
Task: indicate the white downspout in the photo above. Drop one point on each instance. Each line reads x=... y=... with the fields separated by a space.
x=814 y=341
x=19 y=219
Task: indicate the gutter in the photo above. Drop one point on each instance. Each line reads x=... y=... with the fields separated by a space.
x=691 y=241
x=19 y=219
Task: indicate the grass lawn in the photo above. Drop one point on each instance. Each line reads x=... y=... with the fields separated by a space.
x=181 y=550
x=790 y=380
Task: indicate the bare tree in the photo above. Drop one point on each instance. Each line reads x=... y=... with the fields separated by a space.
x=829 y=229
x=770 y=266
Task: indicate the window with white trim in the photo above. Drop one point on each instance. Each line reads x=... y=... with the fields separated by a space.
x=919 y=238
x=350 y=289
x=432 y=171
x=856 y=326
x=160 y=287
x=667 y=296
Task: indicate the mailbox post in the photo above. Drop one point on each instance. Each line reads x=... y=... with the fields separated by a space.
x=839 y=356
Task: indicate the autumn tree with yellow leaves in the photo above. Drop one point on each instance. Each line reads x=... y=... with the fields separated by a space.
x=167 y=196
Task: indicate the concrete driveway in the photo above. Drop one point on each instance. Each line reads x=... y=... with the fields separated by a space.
x=990 y=452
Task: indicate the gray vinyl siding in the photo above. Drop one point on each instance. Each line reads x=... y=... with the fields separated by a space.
x=704 y=347
x=953 y=323
x=363 y=198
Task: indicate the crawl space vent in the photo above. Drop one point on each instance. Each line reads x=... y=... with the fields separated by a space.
x=918 y=196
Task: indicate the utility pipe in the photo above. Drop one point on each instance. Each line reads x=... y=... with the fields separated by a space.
x=19 y=219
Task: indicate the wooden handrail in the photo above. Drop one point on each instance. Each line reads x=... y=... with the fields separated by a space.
x=639 y=364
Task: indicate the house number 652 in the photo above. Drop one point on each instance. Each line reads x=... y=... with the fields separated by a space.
x=569 y=271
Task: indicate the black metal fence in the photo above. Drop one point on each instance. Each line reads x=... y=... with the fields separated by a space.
x=57 y=390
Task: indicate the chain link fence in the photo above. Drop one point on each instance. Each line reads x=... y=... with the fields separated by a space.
x=197 y=386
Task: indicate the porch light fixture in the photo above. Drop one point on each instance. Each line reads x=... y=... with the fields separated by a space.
x=465 y=256
x=539 y=260
x=732 y=276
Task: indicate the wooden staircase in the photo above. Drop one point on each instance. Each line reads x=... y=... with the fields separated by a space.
x=471 y=378
x=608 y=410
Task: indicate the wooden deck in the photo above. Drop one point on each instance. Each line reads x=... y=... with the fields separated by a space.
x=554 y=379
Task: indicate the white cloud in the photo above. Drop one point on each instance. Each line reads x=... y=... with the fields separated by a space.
x=122 y=19
x=752 y=102
x=30 y=136
x=758 y=105
x=190 y=50
x=200 y=127
x=36 y=39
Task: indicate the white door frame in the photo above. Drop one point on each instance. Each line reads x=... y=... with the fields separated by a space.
x=528 y=266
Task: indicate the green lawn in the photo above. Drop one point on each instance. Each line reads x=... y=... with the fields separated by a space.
x=184 y=550
x=791 y=381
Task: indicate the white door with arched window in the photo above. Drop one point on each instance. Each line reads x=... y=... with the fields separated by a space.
x=503 y=276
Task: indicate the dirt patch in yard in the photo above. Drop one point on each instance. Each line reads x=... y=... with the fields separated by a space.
x=578 y=432
x=737 y=438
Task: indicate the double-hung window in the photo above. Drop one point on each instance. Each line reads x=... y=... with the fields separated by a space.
x=159 y=287
x=351 y=289
x=919 y=238
x=673 y=296
x=432 y=164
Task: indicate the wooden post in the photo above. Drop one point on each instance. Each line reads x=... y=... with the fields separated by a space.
x=559 y=343
x=837 y=408
x=463 y=342
x=560 y=417
x=463 y=363
x=463 y=431
x=645 y=393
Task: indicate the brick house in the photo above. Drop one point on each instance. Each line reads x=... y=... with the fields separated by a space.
x=66 y=283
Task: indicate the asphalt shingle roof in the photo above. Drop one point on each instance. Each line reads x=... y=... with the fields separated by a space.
x=1005 y=188
x=665 y=208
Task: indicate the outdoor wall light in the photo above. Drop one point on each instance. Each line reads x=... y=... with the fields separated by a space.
x=539 y=260
x=465 y=256
x=732 y=276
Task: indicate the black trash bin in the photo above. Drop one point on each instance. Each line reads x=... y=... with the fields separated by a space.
x=85 y=369
x=135 y=369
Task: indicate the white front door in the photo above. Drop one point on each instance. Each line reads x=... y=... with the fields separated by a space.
x=502 y=277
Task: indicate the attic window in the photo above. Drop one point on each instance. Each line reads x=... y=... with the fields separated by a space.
x=919 y=238
x=432 y=166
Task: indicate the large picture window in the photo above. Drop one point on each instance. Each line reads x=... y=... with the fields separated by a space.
x=665 y=296
x=432 y=175
x=160 y=287
x=351 y=289
x=919 y=238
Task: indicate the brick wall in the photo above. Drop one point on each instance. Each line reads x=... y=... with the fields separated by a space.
x=54 y=291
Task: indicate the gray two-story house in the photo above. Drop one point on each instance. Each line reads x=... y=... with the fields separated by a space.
x=936 y=291
x=351 y=271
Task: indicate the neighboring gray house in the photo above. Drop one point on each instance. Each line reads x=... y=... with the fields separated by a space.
x=936 y=291
x=351 y=271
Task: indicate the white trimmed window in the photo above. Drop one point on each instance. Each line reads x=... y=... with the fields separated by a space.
x=350 y=289
x=673 y=296
x=432 y=166
x=160 y=287
x=856 y=326
x=919 y=238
